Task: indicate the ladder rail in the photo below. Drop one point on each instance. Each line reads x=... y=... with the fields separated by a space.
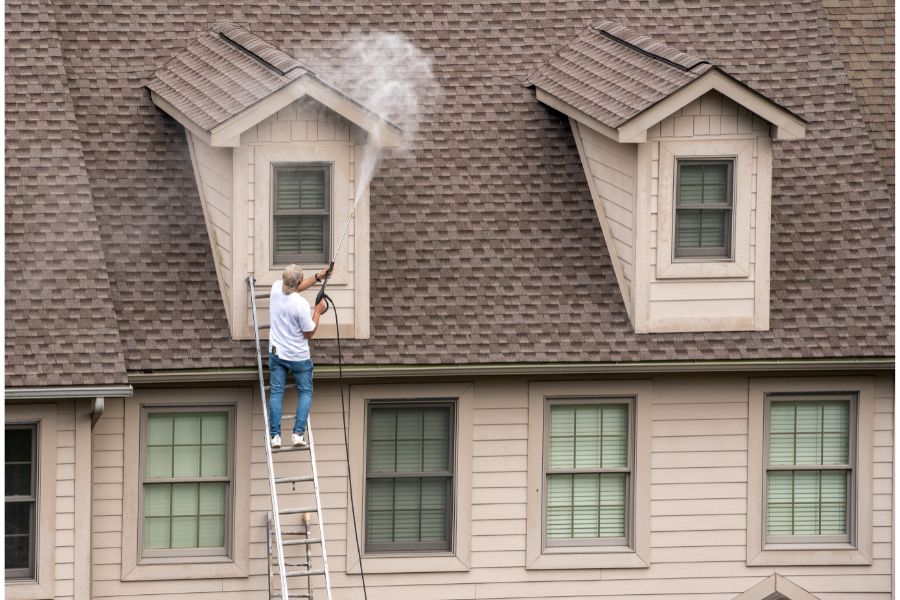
x=320 y=512
x=276 y=518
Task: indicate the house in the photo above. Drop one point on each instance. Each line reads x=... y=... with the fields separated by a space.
x=619 y=325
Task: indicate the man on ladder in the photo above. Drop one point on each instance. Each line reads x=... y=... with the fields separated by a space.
x=290 y=327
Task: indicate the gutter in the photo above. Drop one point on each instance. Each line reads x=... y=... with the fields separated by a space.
x=330 y=372
x=54 y=393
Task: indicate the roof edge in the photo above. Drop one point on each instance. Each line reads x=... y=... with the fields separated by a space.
x=69 y=391
x=643 y=44
x=331 y=372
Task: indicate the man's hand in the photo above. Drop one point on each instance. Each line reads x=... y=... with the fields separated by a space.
x=321 y=307
x=325 y=273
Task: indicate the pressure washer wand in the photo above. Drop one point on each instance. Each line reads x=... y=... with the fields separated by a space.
x=321 y=295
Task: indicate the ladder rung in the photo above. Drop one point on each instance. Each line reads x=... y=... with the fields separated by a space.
x=290 y=595
x=261 y=295
x=290 y=449
x=300 y=542
x=293 y=532
x=293 y=479
x=304 y=573
x=263 y=327
x=298 y=511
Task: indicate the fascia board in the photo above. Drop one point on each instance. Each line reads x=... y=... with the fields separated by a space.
x=787 y=125
x=577 y=115
x=228 y=134
x=179 y=116
x=354 y=112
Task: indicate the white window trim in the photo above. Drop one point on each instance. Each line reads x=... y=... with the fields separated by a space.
x=637 y=553
x=458 y=558
x=337 y=154
x=135 y=568
x=859 y=551
x=43 y=587
x=739 y=150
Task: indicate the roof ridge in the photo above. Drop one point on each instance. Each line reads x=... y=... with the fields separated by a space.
x=646 y=45
x=249 y=43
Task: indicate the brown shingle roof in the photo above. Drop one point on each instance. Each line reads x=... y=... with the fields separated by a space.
x=61 y=328
x=485 y=245
x=225 y=71
x=612 y=73
x=864 y=35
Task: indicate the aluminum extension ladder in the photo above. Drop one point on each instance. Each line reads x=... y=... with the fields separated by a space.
x=299 y=534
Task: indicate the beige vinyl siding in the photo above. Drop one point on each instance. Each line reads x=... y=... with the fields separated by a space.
x=612 y=167
x=698 y=505
x=212 y=168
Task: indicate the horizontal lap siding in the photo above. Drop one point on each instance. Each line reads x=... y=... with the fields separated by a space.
x=697 y=508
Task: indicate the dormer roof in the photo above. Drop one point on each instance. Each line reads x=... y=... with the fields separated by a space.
x=229 y=79
x=620 y=83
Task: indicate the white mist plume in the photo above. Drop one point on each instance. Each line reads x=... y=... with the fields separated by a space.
x=390 y=77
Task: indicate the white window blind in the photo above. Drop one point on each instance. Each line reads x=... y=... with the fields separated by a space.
x=810 y=469
x=21 y=500
x=301 y=215
x=409 y=477
x=588 y=472
x=186 y=487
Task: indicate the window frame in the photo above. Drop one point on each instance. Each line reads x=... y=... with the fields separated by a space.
x=726 y=253
x=28 y=573
x=286 y=258
x=627 y=539
x=859 y=550
x=412 y=547
x=227 y=550
x=851 y=468
x=135 y=568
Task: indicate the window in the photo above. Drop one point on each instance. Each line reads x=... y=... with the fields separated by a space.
x=21 y=500
x=186 y=482
x=809 y=472
x=704 y=201
x=409 y=477
x=301 y=213
x=588 y=472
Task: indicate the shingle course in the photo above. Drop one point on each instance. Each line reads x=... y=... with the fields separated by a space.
x=485 y=246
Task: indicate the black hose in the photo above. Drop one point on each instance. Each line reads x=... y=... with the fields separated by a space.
x=337 y=325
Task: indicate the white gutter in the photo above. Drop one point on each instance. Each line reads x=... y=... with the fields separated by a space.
x=330 y=372
x=53 y=393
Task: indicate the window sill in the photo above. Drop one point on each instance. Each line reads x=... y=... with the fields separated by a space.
x=221 y=567
x=581 y=557
x=26 y=590
x=783 y=555
x=409 y=563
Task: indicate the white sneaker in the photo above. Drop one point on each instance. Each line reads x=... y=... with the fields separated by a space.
x=297 y=439
x=276 y=441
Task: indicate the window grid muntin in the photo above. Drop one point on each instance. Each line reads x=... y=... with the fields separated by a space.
x=284 y=258
x=227 y=479
x=29 y=572
x=726 y=252
x=852 y=399
x=448 y=476
x=627 y=539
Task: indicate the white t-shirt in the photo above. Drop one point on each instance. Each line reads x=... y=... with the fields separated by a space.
x=289 y=317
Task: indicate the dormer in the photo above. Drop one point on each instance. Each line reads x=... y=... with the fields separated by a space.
x=276 y=153
x=678 y=158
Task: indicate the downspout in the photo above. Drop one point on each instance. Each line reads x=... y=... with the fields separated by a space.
x=97 y=410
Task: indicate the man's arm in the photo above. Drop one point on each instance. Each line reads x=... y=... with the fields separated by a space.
x=317 y=313
x=309 y=281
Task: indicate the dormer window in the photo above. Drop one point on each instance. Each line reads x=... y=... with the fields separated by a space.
x=278 y=155
x=703 y=209
x=301 y=213
x=677 y=155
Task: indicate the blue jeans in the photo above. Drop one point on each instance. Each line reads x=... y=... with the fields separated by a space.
x=302 y=370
